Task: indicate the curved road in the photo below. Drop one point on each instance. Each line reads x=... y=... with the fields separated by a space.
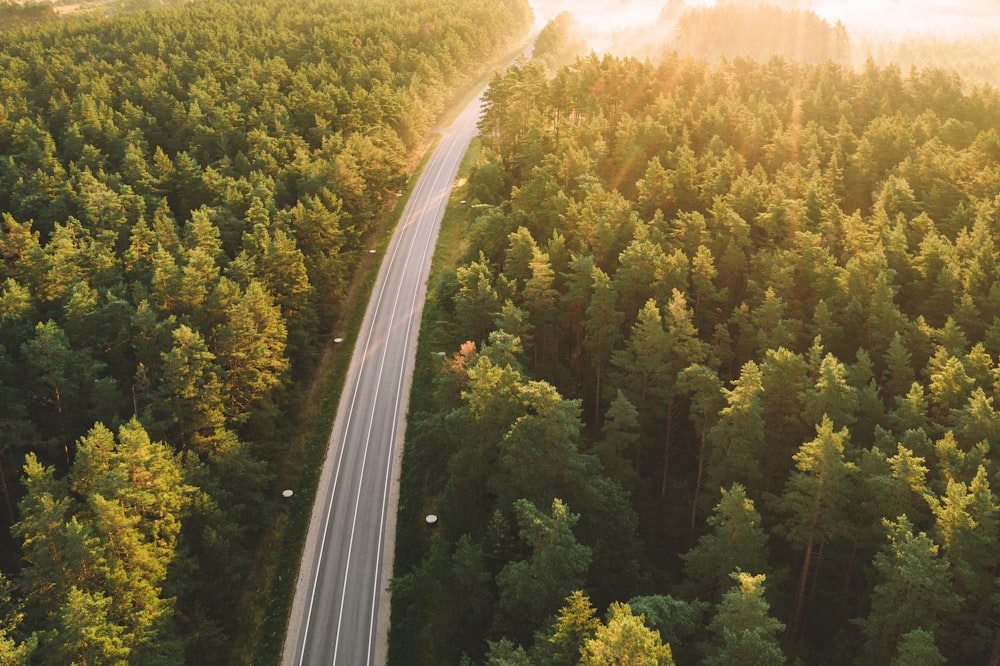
x=340 y=611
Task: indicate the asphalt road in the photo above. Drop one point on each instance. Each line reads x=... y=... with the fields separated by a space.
x=340 y=611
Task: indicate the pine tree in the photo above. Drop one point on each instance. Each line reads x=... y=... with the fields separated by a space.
x=705 y=388
x=250 y=348
x=477 y=301
x=12 y=652
x=540 y=298
x=191 y=382
x=745 y=631
x=616 y=449
x=736 y=543
x=898 y=375
x=681 y=623
x=785 y=382
x=538 y=455
x=917 y=648
x=625 y=639
x=642 y=368
x=816 y=501
x=576 y=624
x=914 y=590
x=98 y=549
x=738 y=438
x=602 y=326
x=85 y=633
x=967 y=527
x=531 y=589
x=831 y=395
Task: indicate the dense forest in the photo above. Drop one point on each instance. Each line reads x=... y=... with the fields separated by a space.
x=15 y=16
x=720 y=374
x=184 y=195
x=21 y=14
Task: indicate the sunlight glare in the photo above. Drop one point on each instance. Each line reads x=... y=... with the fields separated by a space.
x=606 y=14
x=899 y=18
x=876 y=18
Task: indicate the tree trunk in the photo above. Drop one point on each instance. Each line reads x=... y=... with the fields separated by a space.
x=5 y=488
x=62 y=426
x=806 y=563
x=815 y=578
x=793 y=629
x=666 y=449
x=597 y=399
x=697 y=483
x=638 y=444
x=845 y=602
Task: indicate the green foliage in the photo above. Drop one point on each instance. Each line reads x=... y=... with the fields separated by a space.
x=15 y=15
x=530 y=589
x=505 y=653
x=12 y=651
x=625 y=639
x=738 y=437
x=459 y=587
x=680 y=623
x=185 y=194
x=747 y=632
x=736 y=543
x=816 y=500
x=913 y=593
x=917 y=647
x=558 y=43
x=773 y=278
x=576 y=624
x=99 y=548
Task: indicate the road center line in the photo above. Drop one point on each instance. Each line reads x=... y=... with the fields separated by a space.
x=457 y=146
x=398 y=287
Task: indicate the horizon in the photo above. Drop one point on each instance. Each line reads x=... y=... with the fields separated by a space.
x=887 y=19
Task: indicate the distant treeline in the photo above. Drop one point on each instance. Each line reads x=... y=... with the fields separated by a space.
x=727 y=30
x=184 y=195
x=726 y=346
x=731 y=30
x=975 y=59
x=15 y=15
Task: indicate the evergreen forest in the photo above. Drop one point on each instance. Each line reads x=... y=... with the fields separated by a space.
x=720 y=373
x=185 y=195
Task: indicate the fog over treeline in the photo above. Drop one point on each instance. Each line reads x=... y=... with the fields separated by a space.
x=945 y=34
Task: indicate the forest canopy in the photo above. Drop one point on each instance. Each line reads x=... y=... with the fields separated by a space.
x=721 y=365
x=184 y=195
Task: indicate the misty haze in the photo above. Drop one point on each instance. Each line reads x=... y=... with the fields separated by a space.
x=949 y=34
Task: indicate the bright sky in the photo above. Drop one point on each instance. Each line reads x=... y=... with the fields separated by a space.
x=880 y=18
x=894 y=18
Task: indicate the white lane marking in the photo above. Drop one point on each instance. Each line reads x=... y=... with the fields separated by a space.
x=397 y=287
x=340 y=460
x=458 y=145
x=411 y=217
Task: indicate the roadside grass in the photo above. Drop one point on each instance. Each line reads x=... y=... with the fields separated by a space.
x=270 y=587
x=422 y=471
x=452 y=239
